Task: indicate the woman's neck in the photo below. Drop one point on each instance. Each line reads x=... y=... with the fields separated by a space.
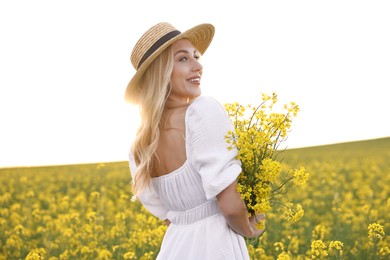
x=174 y=101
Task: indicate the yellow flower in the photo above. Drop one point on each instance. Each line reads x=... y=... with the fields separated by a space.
x=129 y=255
x=36 y=254
x=375 y=231
x=283 y=256
x=85 y=250
x=91 y=216
x=293 y=213
x=319 y=232
x=318 y=249
x=336 y=248
x=260 y=225
x=68 y=232
x=279 y=246
x=300 y=176
x=384 y=251
x=33 y=256
x=270 y=169
x=95 y=195
x=258 y=132
x=104 y=254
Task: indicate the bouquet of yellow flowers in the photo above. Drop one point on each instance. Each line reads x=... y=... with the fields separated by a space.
x=258 y=133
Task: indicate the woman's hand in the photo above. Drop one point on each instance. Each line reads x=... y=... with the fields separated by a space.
x=234 y=210
x=254 y=220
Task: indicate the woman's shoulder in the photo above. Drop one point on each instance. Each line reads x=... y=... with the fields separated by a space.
x=206 y=113
x=207 y=106
x=205 y=100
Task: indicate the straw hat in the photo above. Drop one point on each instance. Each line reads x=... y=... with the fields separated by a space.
x=157 y=39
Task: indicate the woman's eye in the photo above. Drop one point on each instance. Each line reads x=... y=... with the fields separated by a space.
x=184 y=58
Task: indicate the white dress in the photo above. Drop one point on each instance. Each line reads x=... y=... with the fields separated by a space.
x=187 y=196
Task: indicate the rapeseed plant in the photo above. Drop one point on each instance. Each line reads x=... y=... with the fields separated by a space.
x=84 y=211
x=336 y=249
x=258 y=132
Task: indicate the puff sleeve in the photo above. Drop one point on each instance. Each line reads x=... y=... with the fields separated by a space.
x=148 y=197
x=207 y=126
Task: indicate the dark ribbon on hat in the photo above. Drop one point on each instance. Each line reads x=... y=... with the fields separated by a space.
x=157 y=45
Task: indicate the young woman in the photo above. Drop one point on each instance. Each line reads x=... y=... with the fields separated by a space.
x=182 y=171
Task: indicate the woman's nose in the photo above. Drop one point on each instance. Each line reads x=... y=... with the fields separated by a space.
x=197 y=66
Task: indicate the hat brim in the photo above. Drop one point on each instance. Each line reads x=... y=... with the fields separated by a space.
x=200 y=36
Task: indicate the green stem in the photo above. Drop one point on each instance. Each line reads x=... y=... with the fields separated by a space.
x=282 y=184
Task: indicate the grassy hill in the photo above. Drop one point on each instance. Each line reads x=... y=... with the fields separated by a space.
x=84 y=211
x=348 y=150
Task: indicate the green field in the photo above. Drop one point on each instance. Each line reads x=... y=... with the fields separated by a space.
x=85 y=212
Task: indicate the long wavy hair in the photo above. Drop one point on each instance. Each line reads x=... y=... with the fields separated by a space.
x=154 y=89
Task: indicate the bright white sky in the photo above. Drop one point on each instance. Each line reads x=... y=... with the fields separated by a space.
x=64 y=66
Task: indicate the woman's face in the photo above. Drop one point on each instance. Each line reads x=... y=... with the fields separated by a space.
x=187 y=71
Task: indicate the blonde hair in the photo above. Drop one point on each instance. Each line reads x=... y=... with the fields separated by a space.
x=154 y=89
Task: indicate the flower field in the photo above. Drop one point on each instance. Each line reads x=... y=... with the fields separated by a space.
x=85 y=212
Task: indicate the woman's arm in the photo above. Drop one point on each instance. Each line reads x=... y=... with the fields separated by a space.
x=235 y=212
